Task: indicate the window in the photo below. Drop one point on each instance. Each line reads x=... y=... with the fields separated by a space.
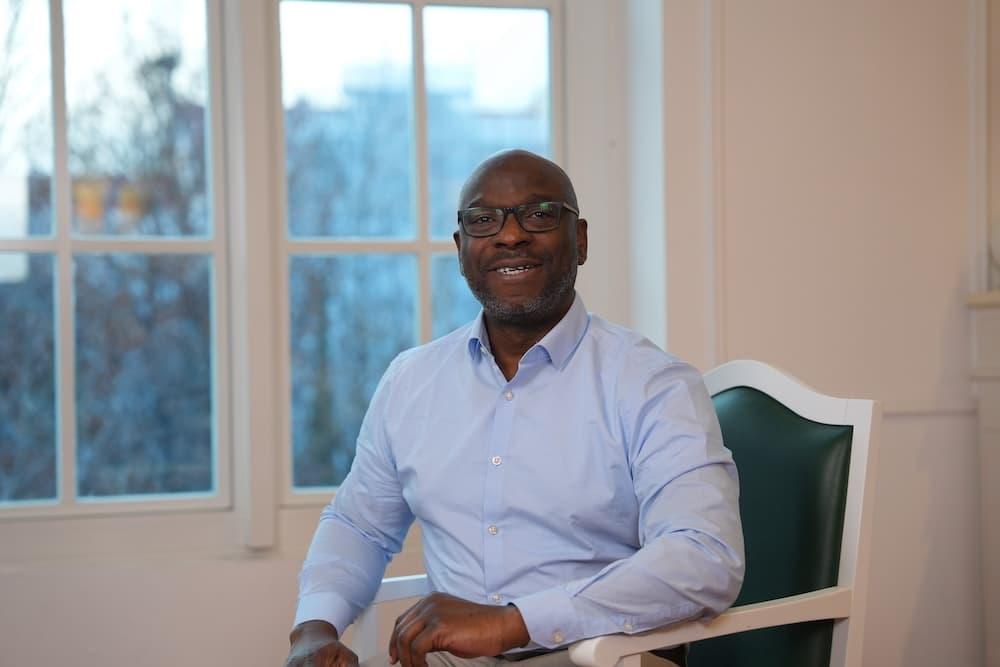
x=109 y=256
x=152 y=293
x=387 y=108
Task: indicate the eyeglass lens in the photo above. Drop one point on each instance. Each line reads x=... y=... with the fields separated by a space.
x=533 y=217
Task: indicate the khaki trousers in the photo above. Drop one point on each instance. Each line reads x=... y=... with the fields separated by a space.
x=553 y=659
x=445 y=659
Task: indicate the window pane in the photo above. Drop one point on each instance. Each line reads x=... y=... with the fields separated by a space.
x=27 y=378
x=25 y=119
x=143 y=374
x=451 y=301
x=136 y=90
x=351 y=315
x=347 y=91
x=487 y=89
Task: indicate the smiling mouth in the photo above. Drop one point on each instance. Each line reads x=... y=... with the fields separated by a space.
x=514 y=270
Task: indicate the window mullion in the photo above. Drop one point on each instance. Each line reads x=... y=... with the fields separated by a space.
x=250 y=91
x=285 y=247
x=422 y=165
x=557 y=81
x=61 y=206
x=222 y=441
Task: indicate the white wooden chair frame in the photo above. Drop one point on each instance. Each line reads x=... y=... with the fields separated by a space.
x=843 y=603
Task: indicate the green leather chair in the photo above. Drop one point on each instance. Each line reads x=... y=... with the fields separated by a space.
x=806 y=464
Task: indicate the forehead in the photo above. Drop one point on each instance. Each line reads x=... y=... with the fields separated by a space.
x=512 y=183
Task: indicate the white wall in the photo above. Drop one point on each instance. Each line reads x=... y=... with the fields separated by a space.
x=837 y=208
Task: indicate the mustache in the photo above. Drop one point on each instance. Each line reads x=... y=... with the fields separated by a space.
x=512 y=256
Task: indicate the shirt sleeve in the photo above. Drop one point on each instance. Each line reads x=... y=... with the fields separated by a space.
x=360 y=530
x=690 y=562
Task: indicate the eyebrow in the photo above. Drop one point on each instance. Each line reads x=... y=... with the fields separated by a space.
x=533 y=198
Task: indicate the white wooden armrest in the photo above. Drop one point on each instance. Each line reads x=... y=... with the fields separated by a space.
x=399 y=588
x=365 y=641
x=606 y=651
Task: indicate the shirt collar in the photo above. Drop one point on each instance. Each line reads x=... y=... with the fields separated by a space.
x=558 y=344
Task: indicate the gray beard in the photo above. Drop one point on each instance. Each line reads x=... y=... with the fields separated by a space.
x=534 y=310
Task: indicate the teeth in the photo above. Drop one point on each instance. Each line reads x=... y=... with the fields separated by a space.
x=509 y=271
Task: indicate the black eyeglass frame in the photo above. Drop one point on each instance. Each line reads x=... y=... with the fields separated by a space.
x=518 y=211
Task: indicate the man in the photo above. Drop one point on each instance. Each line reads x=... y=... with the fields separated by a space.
x=569 y=477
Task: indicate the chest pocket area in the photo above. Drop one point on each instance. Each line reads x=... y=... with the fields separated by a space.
x=438 y=466
x=580 y=476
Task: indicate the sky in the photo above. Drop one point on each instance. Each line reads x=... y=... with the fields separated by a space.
x=500 y=55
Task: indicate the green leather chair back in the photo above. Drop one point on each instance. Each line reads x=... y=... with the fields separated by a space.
x=793 y=490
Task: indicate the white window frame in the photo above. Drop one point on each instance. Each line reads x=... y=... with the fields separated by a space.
x=61 y=244
x=423 y=246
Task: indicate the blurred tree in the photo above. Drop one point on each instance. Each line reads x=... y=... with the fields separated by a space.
x=349 y=174
x=28 y=469
x=144 y=322
x=27 y=384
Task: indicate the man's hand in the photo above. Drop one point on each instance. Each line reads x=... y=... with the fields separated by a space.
x=441 y=622
x=317 y=644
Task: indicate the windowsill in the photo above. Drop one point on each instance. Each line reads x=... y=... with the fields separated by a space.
x=205 y=535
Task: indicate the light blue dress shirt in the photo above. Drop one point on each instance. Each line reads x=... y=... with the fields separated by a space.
x=592 y=490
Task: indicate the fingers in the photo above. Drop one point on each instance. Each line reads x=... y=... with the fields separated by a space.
x=415 y=641
x=332 y=654
x=403 y=637
x=441 y=622
x=402 y=621
x=340 y=656
x=420 y=646
x=343 y=658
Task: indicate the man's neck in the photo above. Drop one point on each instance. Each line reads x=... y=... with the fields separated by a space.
x=510 y=340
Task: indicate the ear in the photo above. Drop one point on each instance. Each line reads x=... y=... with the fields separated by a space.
x=581 y=241
x=458 y=250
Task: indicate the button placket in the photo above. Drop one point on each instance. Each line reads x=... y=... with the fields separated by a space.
x=493 y=506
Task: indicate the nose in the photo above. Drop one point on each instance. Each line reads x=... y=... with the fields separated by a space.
x=511 y=233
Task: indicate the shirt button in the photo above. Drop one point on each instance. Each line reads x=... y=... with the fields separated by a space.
x=496 y=597
x=627 y=627
x=557 y=637
x=509 y=395
x=493 y=530
x=496 y=460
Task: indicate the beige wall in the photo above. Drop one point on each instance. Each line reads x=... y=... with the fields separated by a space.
x=137 y=591
x=839 y=207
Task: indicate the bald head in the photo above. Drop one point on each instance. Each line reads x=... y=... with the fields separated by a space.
x=513 y=169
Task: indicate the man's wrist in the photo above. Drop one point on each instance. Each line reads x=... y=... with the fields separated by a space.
x=314 y=627
x=515 y=632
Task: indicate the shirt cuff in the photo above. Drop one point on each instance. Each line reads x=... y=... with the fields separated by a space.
x=550 y=617
x=328 y=607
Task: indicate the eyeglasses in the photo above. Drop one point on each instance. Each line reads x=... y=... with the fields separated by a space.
x=535 y=217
